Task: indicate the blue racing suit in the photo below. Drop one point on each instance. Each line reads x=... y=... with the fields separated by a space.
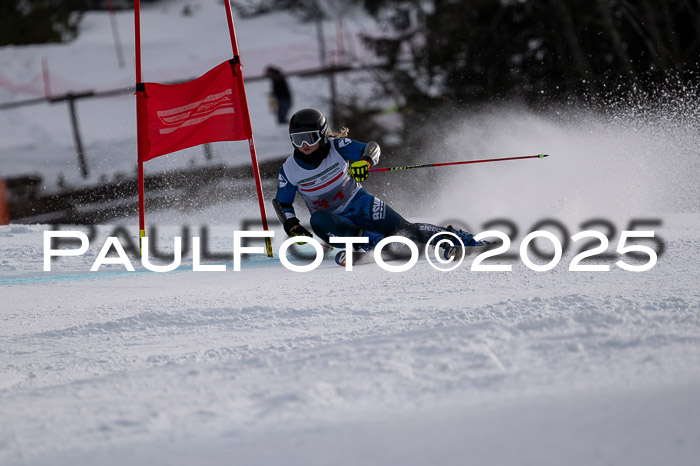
x=339 y=205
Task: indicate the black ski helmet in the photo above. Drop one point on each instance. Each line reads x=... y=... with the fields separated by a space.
x=309 y=119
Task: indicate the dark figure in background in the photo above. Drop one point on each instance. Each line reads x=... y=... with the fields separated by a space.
x=280 y=97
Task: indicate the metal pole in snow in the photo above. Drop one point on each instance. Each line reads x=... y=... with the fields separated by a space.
x=141 y=130
x=47 y=78
x=115 y=34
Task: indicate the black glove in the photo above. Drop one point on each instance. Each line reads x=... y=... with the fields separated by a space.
x=293 y=227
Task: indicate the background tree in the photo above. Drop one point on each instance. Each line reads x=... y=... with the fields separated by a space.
x=39 y=21
x=443 y=56
x=479 y=50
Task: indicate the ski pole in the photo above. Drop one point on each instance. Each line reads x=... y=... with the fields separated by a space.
x=406 y=167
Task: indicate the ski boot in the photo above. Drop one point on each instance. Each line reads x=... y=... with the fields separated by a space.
x=374 y=238
x=340 y=258
x=468 y=241
x=359 y=257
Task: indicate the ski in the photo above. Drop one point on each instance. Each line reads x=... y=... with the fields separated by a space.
x=367 y=257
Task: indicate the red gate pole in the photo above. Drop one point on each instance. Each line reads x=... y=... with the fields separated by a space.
x=141 y=121
x=238 y=75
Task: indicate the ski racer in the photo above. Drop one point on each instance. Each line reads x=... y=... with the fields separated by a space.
x=326 y=169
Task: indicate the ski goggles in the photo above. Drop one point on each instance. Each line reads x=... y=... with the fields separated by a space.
x=307 y=137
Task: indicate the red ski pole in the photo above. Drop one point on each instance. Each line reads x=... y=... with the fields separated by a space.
x=406 y=167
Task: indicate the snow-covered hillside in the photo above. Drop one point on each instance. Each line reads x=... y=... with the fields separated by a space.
x=269 y=366
x=39 y=139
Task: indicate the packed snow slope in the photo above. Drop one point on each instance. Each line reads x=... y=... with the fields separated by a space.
x=266 y=366
x=269 y=366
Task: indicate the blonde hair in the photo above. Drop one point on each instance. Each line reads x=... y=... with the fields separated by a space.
x=342 y=133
